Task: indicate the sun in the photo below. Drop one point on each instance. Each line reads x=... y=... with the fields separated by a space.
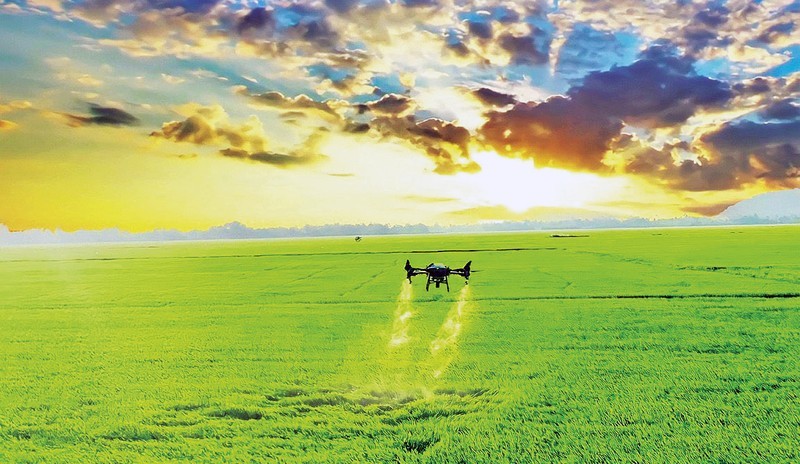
x=519 y=185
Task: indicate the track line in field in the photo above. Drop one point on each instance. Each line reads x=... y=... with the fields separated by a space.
x=362 y=284
x=156 y=305
x=780 y=296
x=310 y=275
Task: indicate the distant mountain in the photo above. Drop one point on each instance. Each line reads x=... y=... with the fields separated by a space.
x=772 y=205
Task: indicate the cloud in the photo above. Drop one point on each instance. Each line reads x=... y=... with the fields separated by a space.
x=191 y=6
x=420 y=3
x=708 y=210
x=705 y=30
x=328 y=109
x=341 y=6
x=428 y=199
x=658 y=90
x=14 y=105
x=156 y=27
x=101 y=12
x=103 y=116
x=556 y=133
x=702 y=30
x=577 y=130
x=211 y=126
x=732 y=156
x=586 y=49
x=353 y=127
x=305 y=154
x=480 y=28
x=55 y=5
x=755 y=86
x=785 y=109
x=776 y=32
x=7 y=125
x=532 y=48
x=748 y=137
x=390 y=104
x=256 y=20
x=170 y=79
x=492 y=97
x=274 y=159
x=445 y=143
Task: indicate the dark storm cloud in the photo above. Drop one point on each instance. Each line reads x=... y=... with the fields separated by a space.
x=756 y=86
x=659 y=90
x=104 y=116
x=746 y=136
x=320 y=32
x=661 y=165
x=575 y=131
x=783 y=110
x=284 y=28
x=256 y=19
x=734 y=155
x=493 y=98
x=713 y=16
x=704 y=29
x=533 y=48
x=480 y=28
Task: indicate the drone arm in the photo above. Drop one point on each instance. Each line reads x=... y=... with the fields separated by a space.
x=413 y=271
x=464 y=271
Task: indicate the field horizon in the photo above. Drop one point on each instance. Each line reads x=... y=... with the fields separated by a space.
x=624 y=345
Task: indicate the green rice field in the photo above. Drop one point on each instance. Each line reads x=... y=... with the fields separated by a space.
x=646 y=346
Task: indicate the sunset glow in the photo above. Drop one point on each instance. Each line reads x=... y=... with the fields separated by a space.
x=186 y=114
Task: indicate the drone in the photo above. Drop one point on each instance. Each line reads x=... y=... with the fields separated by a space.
x=437 y=273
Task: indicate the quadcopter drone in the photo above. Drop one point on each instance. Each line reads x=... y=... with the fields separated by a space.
x=437 y=273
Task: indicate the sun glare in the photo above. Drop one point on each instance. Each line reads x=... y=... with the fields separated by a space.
x=519 y=186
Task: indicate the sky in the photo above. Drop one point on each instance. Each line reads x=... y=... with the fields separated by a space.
x=179 y=114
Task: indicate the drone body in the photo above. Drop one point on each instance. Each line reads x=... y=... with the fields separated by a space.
x=437 y=273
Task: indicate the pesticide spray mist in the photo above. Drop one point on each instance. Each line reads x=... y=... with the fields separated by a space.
x=443 y=348
x=402 y=316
